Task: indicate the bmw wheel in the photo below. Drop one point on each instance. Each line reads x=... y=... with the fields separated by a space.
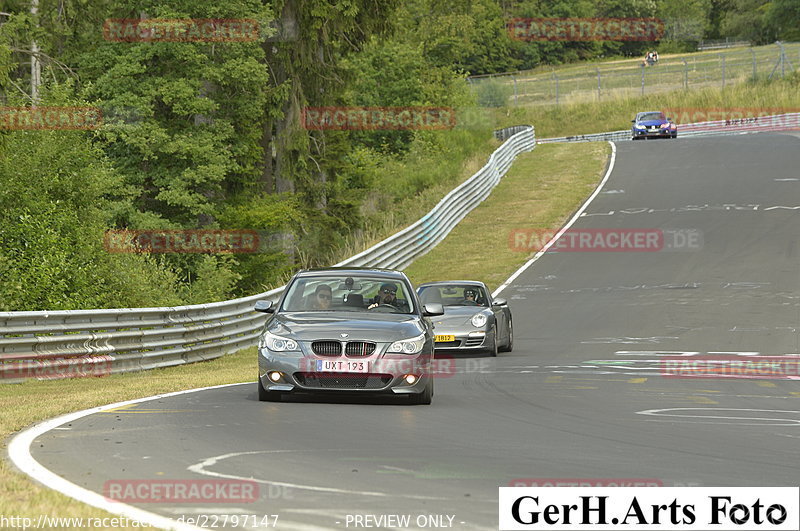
x=426 y=396
x=265 y=395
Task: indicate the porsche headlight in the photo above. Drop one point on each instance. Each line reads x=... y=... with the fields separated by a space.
x=478 y=320
x=408 y=346
x=278 y=343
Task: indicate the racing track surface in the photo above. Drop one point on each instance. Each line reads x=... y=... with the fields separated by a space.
x=590 y=329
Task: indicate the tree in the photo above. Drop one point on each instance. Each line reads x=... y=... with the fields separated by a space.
x=746 y=19
x=783 y=16
x=56 y=191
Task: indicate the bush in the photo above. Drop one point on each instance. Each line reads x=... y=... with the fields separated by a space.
x=492 y=93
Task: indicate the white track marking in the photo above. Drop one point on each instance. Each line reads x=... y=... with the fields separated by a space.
x=200 y=468
x=685 y=413
x=19 y=451
x=578 y=214
x=656 y=353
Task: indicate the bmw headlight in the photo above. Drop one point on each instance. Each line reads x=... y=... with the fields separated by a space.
x=478 y=320
x=278 y=343
x=408 y=346
x=639 y=127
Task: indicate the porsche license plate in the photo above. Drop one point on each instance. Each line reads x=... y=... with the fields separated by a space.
x=342 y=366
x=445 y=338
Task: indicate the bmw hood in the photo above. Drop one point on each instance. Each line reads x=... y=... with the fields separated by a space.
x=378 y=327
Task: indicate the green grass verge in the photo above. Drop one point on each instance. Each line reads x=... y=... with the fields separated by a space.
x=541 y=190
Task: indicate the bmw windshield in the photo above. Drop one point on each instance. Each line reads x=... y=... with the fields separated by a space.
x=348 y=293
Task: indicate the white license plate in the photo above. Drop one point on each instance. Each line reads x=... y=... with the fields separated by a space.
x=342 y=366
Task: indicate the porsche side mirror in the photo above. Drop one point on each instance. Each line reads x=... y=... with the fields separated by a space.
x=264 y=307
x=500 y=302
x=432 y=309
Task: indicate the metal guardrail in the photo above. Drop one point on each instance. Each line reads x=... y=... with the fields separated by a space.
x=755 y=124
x=416 y=240
x=58 y=344
x=508 y=132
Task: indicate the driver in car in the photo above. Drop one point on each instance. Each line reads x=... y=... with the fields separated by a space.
x=388 y=296
x=470 y=297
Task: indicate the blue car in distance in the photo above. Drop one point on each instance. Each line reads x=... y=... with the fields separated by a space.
x=653 y=124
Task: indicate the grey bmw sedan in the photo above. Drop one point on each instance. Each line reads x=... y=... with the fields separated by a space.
x=341 y=330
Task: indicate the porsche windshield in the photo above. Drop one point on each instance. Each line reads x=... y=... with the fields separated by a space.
x=454 y=295
x=353 y=293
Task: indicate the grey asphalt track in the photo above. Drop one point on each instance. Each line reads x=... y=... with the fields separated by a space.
x=591 y=329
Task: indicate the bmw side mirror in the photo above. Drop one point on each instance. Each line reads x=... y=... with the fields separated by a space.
x=633 y=121
x=432 y=309
x=500 y=302
x=264 y=307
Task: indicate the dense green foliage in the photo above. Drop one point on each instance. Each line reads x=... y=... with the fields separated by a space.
x=209 y=134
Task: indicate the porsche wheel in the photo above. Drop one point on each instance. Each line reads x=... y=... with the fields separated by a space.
x=510 y=346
